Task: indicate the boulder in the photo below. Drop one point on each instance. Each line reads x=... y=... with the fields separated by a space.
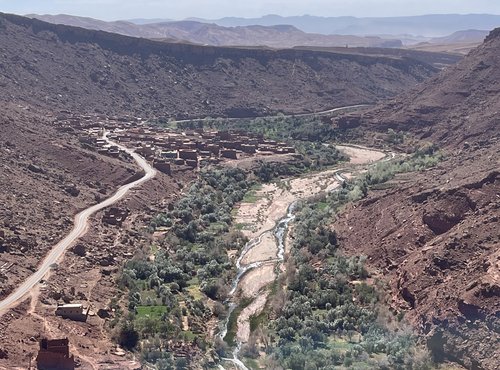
x=470 y=311
x=72 y=190
x=103 y=314
x=408 y=296
x=35 y=169
x=446 y=210
x=79 y=250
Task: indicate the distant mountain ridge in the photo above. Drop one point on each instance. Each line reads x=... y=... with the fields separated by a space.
x=276 y=36
x=432 y=25
x=462 y=36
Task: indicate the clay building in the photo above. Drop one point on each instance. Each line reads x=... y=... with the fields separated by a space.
x=103 y=151
x=188 y=154
x=224 y=135
x=114 y=151
x=229 y=153
x=192 y=163
x=208 y=135
x=162 y=165
x=214 y=149
x=250 y=149
x=171 y=154
x=205 y=153
x=54 y=355
x=146 y=150
x=73 y=312
x=188 y=145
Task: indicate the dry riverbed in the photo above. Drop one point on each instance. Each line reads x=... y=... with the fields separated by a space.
x=260 y=215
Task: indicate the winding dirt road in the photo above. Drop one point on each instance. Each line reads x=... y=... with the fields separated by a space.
x=320 y=113
x=79 y=229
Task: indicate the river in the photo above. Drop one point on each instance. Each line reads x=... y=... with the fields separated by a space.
x=275 y=212
x=279 y=232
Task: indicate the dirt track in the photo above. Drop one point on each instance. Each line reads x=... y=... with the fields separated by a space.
x=79 y=229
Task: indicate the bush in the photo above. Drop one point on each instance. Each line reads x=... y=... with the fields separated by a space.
x=128 y=337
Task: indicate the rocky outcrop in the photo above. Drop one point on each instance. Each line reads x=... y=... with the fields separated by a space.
x=441 y=255
x=79 y=249
x=35 y=169
x=441 y=214
x=72 y=190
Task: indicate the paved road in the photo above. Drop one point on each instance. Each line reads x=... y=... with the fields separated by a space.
x=79 y=229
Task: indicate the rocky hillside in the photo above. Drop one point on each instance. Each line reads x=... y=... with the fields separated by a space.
x=434 y=235
x=46 y=177
x=63 y=67
x=456 y=107
x=277 y=36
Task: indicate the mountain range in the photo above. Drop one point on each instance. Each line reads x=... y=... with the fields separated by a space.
x=279 y=32
x=276 y=36
x=78 y=69
x=433 y=25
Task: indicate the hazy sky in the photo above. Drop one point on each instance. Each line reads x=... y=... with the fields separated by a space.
x=180 y=9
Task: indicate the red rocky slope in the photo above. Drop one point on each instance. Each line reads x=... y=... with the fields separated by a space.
x=434 y=236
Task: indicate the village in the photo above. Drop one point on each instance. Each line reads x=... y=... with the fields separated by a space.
x=167 y=149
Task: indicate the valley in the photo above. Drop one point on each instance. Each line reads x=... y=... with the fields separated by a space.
x=266 y=222
x=175 y=206
x=124 y=76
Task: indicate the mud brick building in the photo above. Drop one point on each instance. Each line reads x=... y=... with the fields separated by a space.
x=54 y=355
x=73 y=312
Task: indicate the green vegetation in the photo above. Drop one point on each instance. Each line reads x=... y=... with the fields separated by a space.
x=257 y=320
x=154 y=312
x=232 y=322
x=313 y=157
x=395 y=137
x=169 y=291
x=331 y=317
x=306 y=129
x=250 y=196
x=382 y=172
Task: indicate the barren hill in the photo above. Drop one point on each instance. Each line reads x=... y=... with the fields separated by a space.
x=435 y=235
x=82 y=70
x=461 y=104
